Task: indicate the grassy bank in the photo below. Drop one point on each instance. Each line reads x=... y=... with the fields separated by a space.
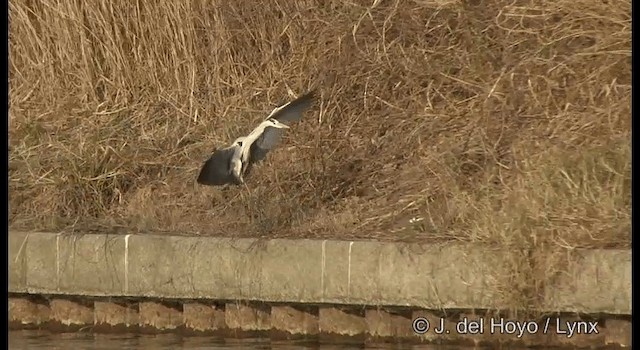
x=499 y=121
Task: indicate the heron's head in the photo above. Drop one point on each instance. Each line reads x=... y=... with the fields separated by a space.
x=279 y=125
x=239 y=141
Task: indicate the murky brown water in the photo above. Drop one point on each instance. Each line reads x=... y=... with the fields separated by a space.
x=33 y=340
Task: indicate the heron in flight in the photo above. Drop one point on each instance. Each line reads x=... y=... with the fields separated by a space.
x=230 y=165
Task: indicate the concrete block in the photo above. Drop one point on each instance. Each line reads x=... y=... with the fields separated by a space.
x=341 y=321
x=288 y=263
x=160 y=315
x=294 y=320
x=42 y=263
x=583 y=334
x=528 y=337
x=70 y=312
x=193 y=267
x=425 y=276
x=114 y=314
x=27 y=311
x=334 y=278
x=158 y=267
x=203 y=317
x=233 y=272
x=435 y=327
x=618 y=332
x=247 y=317
x=597 y=281
x=382 y=323
x=502 y=329
x=473 y=328
x=91 y=264
x=18 y=262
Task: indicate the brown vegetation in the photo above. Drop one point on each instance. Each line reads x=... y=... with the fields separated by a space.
x=502 y=122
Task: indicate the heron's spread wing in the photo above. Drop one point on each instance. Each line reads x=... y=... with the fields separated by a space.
x=293 y=110
x=215 y=171
x=271 y=136
x=265 y=143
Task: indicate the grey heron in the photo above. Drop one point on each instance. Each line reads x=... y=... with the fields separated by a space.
x=230 y=165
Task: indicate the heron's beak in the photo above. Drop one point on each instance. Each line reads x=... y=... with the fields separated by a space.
x=280 y=125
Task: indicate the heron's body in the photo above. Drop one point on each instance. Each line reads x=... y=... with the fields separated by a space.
x=229 y=165
x=236 y=159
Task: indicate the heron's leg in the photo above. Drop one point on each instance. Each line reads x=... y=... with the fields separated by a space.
x=246 y=188
x=249 y=202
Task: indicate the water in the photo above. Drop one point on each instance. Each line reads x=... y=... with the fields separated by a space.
x=44 y=340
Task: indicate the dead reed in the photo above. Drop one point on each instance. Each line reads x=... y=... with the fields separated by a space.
x=502 y=122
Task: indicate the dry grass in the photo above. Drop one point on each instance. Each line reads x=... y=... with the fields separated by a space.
x=504 y=122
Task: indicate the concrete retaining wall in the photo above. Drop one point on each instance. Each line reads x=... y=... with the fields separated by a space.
x=380 y=274
x=303 y=271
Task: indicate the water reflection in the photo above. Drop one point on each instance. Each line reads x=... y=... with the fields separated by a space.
x=36 y=340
